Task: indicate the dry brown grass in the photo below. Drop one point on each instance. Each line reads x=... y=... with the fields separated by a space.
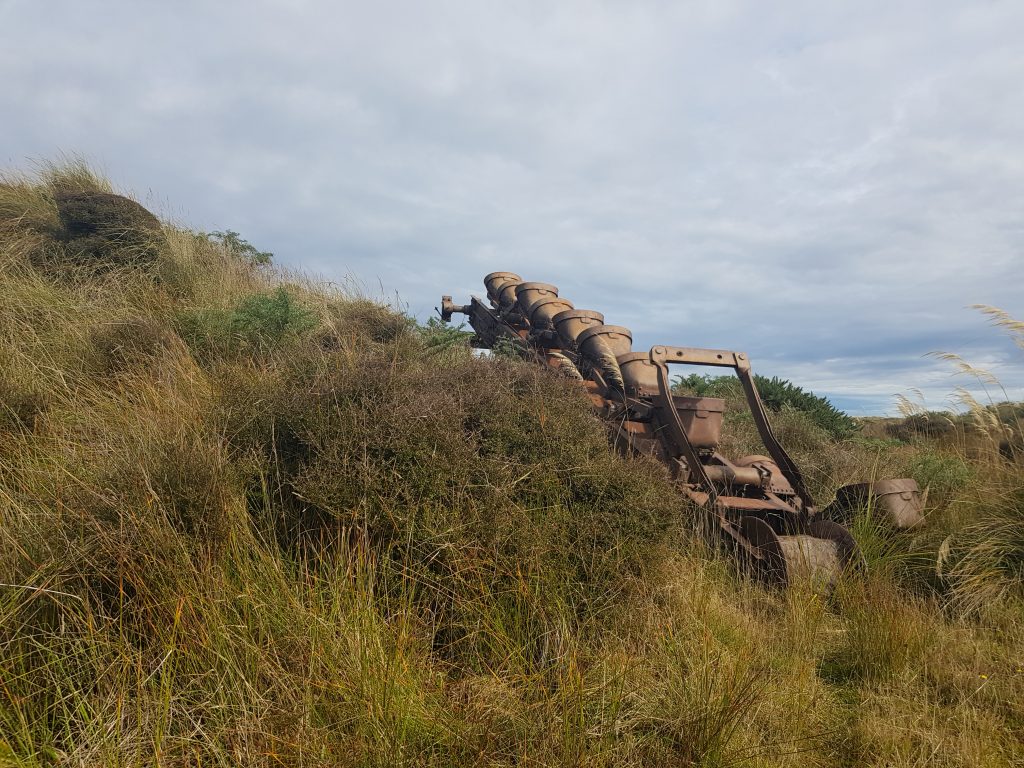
x=246 y=519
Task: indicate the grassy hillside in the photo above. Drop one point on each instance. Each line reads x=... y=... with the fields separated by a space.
x=247 y=519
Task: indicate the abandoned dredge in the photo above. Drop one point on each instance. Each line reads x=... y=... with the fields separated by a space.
x=758 y=506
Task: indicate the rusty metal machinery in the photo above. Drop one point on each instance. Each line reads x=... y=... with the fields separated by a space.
x=759 y=506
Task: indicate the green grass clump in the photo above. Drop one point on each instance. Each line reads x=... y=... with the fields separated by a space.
x=257 y=324
x=248 y=519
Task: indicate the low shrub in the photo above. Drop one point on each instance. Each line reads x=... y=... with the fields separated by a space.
x=943 y=474
x=103 y=231
x=483 y=480
x=259 y=323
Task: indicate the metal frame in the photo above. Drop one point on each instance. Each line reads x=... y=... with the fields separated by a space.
x=662 y=357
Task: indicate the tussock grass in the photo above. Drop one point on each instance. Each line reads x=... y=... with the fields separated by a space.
x=249 y=519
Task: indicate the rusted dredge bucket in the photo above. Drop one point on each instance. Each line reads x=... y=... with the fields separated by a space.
x=495 y=280
x=897 y=501
x=529 y=293
x=701 y=416
x=598 y=342
x=639 y=373
x=571 y=324
x=543 y=311
x=507 y=294
x=702 y=420
x=817 y=556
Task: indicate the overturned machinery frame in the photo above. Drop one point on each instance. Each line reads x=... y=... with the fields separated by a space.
x=759 y=506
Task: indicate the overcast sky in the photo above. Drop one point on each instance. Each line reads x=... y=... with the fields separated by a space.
x=824 y=185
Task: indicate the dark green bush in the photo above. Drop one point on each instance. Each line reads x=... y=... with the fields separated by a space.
x=104 y=231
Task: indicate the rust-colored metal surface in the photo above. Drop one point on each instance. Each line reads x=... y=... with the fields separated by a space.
x=528 y=293
x=758 y=506
x=896 y=502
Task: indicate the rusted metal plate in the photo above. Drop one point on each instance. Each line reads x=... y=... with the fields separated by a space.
x=898 y=502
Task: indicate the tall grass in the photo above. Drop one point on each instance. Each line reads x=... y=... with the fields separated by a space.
x=983 y=556
x=248 y=519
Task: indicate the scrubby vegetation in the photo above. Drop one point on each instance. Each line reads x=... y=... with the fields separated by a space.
x=246 y=519
x=776 y=394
